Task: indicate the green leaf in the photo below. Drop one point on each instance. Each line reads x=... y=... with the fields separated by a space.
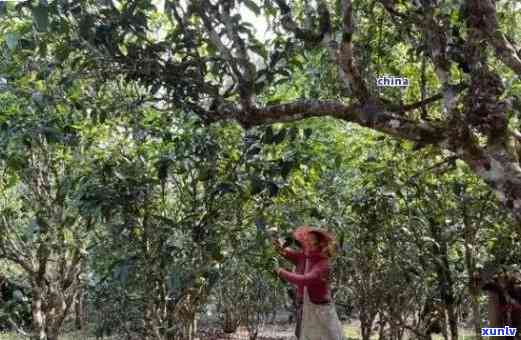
x=274 y=101
x=286 y=168
x=120 y=175
x=257 y=185
x=293 y=133
x=338 y=161
x=174 y=281
x=67 y=236
x=273 y=188
x=279 y=137
x=253 y=150
x=18 y=295
x=205 y=174
x=225 y=187
x=16 y=162
x=41 y=17
x=27 y=44
x=122 y=273
x=11 y=181
x=267 y=137
x=260 y=50
x=11 y=40
x=260 y=224
x=252 y=6
x=430 y=239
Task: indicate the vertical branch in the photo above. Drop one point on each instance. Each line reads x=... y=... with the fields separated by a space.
x=243 y=70
x=505 y=50
x=346 y=55
x=249 y=71
x=423 y=90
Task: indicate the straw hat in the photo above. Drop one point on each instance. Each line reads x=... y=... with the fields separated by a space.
x=301 y=234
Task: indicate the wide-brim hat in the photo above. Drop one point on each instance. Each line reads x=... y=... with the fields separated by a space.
x=301 y=234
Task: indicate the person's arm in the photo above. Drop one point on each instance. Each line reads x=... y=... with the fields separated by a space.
x=319 y=272
x=290 y=254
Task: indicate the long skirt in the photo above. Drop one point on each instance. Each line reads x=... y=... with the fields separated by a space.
x=319 y=322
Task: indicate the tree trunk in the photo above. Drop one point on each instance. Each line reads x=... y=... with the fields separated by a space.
x=470 y=231
x=170 y=320
x=50 y=306
x=495 y=317
x=445 y=281
x=38 y=323
x=381 y=326
x=79 y=311
x=476 y=315
x=366 y=325
x=53 y=335
x=46 y=323
x=474 y=295
x=445 y=325
x=366 y=331
x=191 y=328
x=453 y=321
x=148 y=321
x=230 y=321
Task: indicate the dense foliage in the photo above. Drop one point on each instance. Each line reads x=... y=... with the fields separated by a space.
x=148 y=148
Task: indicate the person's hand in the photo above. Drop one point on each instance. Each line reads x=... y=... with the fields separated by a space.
x=277 y=270
x=277 y=245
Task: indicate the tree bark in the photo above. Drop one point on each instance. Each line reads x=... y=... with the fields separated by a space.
x=470 y=262
x=38 y=323
x=445 y=281
x=453 y=321
x=495 y=317
x=366 y=324
x=79 y=311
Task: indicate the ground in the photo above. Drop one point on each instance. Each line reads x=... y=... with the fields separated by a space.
x=270 y=332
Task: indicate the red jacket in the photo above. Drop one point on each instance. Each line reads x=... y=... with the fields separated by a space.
x=316 y=279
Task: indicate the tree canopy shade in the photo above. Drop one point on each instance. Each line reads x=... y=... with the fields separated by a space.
x=462 y=58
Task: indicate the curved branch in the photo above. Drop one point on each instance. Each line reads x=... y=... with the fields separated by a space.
x=306 y=35
x=370 y=115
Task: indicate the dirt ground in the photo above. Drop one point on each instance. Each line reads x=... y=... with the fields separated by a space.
x=269 y=332
x=278 y=331
x=284 y=331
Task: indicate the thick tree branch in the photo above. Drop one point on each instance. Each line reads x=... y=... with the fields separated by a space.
x=502 y=176
x=504 y=49
x=367 y=115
